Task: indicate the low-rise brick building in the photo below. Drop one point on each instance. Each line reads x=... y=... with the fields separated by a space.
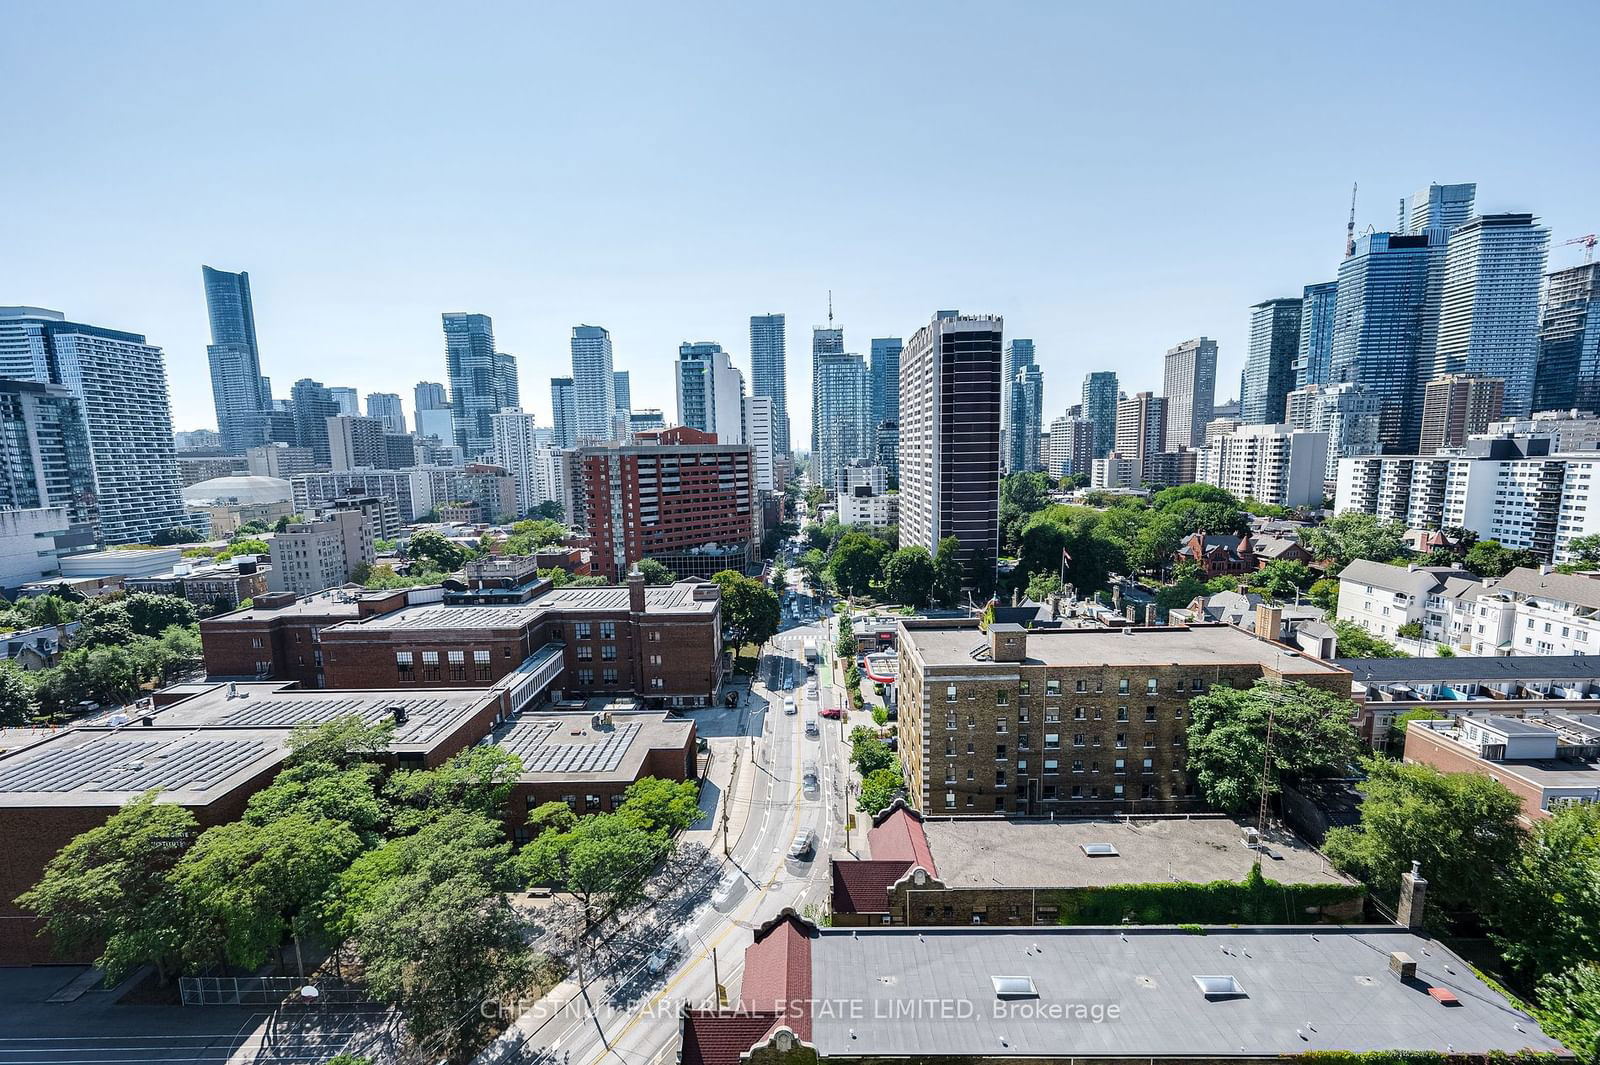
x=661 y=644
x=966 y=870
x=1075 y=722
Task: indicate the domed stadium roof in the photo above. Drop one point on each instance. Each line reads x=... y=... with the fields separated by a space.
x=241 y=491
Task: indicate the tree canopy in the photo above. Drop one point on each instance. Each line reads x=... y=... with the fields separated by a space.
x=1354 y=534
x=1462 y=827
x=655 y=573
x=1356 y=642
x=440 y=552
x=750 y=609
x=1313 y=734
x=947 y=572
x=1491 y=558
x=908 y=577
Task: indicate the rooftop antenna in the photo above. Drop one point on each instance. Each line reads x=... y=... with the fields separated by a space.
x=830 y=308
x=1350 y=226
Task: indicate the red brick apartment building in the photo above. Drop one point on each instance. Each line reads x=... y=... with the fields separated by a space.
x=661 y=644
x=676 y=496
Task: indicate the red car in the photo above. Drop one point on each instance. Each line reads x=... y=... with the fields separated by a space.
x=830 y=711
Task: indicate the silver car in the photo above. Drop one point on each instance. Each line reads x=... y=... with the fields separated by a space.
x=804 y=841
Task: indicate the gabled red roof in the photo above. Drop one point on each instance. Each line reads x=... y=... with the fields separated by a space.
x=863 y=886
x=713 y=1038
x=777 y=973
x=899 y=835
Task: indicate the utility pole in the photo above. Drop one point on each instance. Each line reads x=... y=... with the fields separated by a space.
x=733 y=784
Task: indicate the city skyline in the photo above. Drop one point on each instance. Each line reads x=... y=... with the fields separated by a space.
x=348 y=291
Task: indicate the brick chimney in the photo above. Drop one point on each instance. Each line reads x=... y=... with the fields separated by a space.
x=636 y=590
x=1413 y=898
x=1008 y=643
x=1269 y=621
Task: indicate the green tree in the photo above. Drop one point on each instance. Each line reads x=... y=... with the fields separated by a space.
x=1021 y=494
x=880 y=788
x=549 y=509
x=325 y=792
x=249 y=546
x=908 y=577
x=246 y=886
x=1569 y=1009
x=813 y=562
x=478 y=780
x=104 y=674
x=663 y=807
x=1421 y=713
x=655 y=573
x=603 y=861
x=441 y=553
x=1281 y=579
x=105 y=623
x=1491 y=558
x=179 y=651
x=1411 y=630
x=535 y=534
x=1550 y=918
x=340 y=741
x=1186 y=584
x=1585 y=549
x=1346 y=537
x=1324 y=594
x=437 y=935
x=868 y=752
x=18 y=703
x=109 y=888
x=856 y=563
x=1313 y=734
x=176 y=534
x=1356 y=642
x=947 y=572
x=1462 y=827
x=750 y=610
x=1042 y=585
x=1093 y=548
x=844 y=644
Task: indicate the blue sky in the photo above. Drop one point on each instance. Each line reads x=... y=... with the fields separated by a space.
x=1111 y=178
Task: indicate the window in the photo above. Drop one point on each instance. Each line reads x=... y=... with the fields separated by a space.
x=972 y=748
x=608 y=652
x=950 y=693
x=402 y=662
x=585 y=653
x=1116 y=790
x=1022 y=741
x=1077 y=739
x=950 y=796
x=1150 y=686
x=608 y=676
x=653 y=636
x=655 y=660
x=1149 y=713
x=1149 y=766
x=1077 y=791
x=1052 y=687
x=1050 y=765
x=949 y=747
x=1083 y=686
x=585 y=677
x=1149 y=739
x=1001 y=725
x=580 y=630
x=657 y=683
x=591 y=802
x=480 y=663
x=1080 y=714
x=1002 y=698
x=1122 y=713
x=1122 y=740
x=1052 y=741
x=1122 y=686
x=1051 y=716
x=255 y=641
x=608 y=630
x=999 y=778
x=1022 y=687
x=950 y=721
x=571 y=801
x=1119 y=766
x=458 y=664
x=1077 y=765
x=999 y=752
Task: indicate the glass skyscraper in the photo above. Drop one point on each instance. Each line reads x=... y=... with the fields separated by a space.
x=1380 y=325
x=710 y=391
x=768 y=372
x=1025 y=403
x=841 y=412
x=1568 y=372
x=1312 y=363
x=478 y=377
x=1489 y=305
x=1269 y=364
x=44 y=452
x=885 y=365
x=1189 y=385
x=1439 y=207
x=563 y=412
x=313 y=405
x=1100 y=407
x=594 y=385
x=240 y=394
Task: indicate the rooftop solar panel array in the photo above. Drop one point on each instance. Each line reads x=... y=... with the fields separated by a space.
x=175 y=764
x=425 y=717
x=543 y=748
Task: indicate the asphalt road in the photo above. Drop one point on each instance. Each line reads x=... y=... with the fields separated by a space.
x=596 y=1024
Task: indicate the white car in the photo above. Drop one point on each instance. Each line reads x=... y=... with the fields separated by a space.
x=804 y=840
x=789 y=706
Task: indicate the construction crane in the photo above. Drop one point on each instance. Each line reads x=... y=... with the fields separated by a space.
x=1350 y=226
x=1588 y=242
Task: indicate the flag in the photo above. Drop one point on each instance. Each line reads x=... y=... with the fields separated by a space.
x=1065 y=558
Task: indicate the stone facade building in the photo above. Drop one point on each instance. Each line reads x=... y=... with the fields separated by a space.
x=1074 y=722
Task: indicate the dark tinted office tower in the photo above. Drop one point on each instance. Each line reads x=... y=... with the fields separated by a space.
x=768 y=370
x=1380 y=323
x=563 y=412
x=476 y=377
x=622 y=389
x=1312 y=363
x=1189 y=385
x=1100 y=407
x=1489 y=304
x=886 y=379
x=1568 y=371
x=950 y=439
x=1024 y=395
x=1269 y=364
x=44 y=453
x=239 y=392
x=313 y=406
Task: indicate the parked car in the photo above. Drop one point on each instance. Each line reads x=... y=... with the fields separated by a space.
x=789 y=705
